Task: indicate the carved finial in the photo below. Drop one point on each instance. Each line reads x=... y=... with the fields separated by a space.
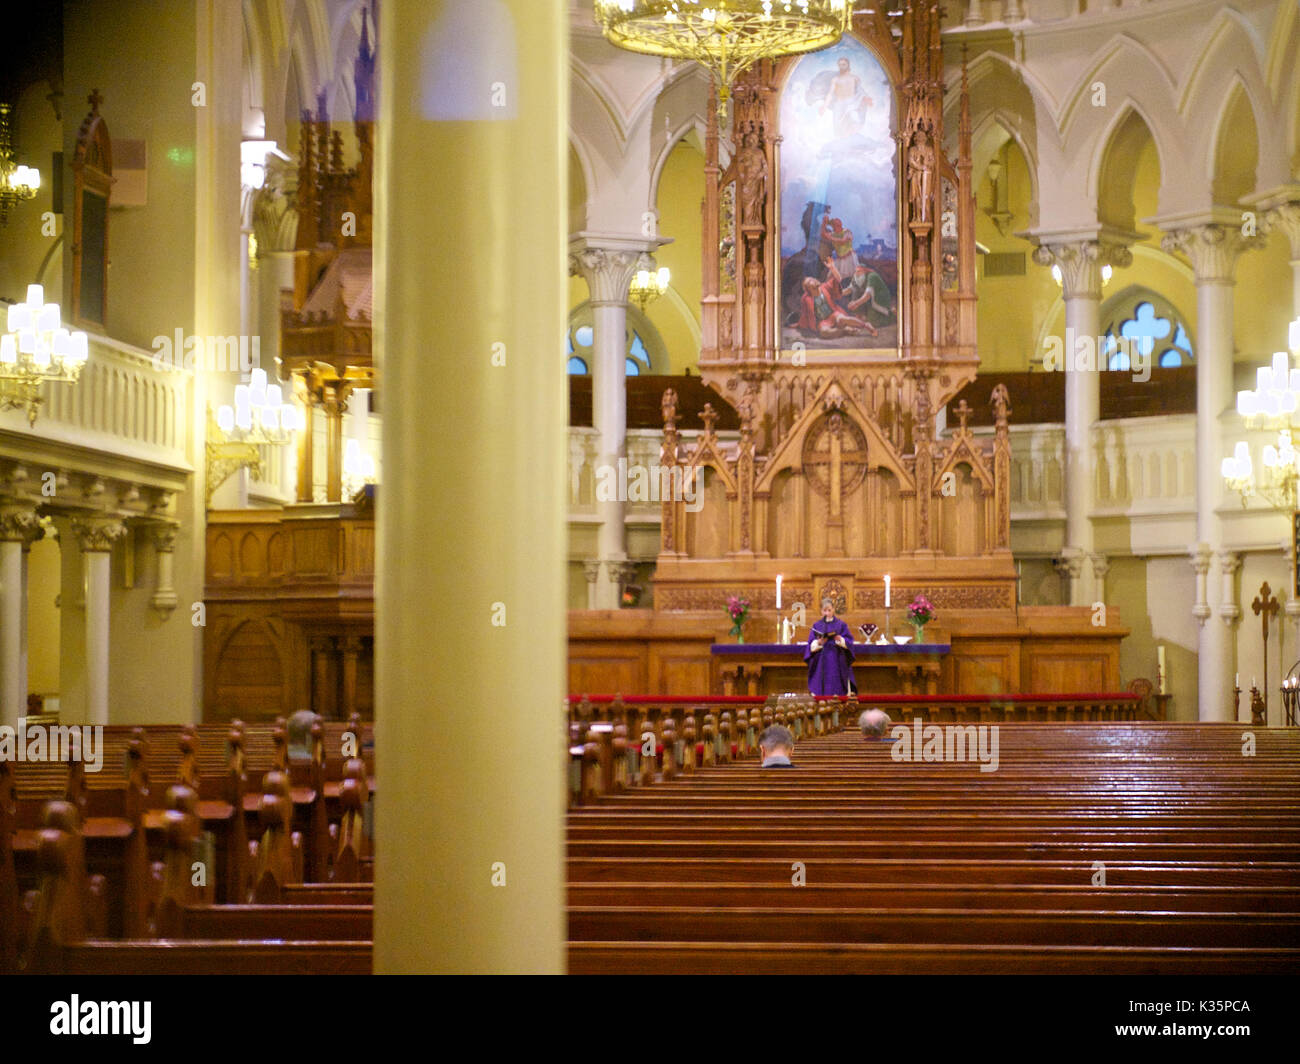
x=963 y=412
x=94 y=99
x=669 y=408
x=1001 y=404
x=710 y=418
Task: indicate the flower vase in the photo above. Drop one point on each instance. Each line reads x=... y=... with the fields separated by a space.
x=737 y=631
x=920 y=632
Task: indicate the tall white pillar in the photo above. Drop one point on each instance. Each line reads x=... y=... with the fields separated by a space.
x=471 y=584
x=608 y=263
x=18 y=527
x=1213 y=249
x=96 y=536
x=1080 y=261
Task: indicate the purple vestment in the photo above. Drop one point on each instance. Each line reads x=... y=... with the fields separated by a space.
x=830 y=670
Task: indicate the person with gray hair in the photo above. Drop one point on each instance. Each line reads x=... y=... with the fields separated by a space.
x=776 y=745
x=874 y=723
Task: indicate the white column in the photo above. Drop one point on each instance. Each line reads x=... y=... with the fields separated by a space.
x=1081 y=262
x=18 y=526
x=591 y=571
x=608 y=265
x=164 y=598
x=1213 y=251
x=96 y=536
x=471 y=581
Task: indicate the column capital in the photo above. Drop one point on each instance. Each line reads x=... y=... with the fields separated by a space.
x=1200 y=555
x=19 y=524
x=1229 y=560
x=1081 y=260
x=608 y=263
x=97 y=534
x=591 y=570
x=1212 y=247
x=621 y=571
x=164 y=537
x=1100 y=565
x=1070 y=562
x=1285 y=218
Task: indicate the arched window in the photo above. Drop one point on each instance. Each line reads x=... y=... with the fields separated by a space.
x=1152 y=324
x=646 y=353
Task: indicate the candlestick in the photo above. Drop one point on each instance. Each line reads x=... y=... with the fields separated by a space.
x=888 y=602
x=778 y=592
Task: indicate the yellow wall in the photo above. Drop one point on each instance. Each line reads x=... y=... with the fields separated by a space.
x=681 y=193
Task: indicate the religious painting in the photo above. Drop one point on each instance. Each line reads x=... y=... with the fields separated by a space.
x=839 y=210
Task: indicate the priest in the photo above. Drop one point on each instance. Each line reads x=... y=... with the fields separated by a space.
x=830 y=654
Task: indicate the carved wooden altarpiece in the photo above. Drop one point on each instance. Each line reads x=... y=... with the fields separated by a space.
x=838 y=477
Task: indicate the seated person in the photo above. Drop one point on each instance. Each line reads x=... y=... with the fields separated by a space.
x=776 y=744
x=298 y=734
x=874 y=723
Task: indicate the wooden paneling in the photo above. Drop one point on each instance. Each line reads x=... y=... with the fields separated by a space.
x=1077 y=665
x=607 y=669
x=678 y=667
x=983 y=667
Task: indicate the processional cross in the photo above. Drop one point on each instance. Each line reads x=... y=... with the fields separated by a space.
x=1264 y=607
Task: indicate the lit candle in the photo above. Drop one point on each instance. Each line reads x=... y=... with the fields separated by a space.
x=1237 y=682
x=888 y=603
x=778 y=592
x=1160 y=666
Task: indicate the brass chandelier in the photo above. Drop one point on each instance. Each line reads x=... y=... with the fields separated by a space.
x=36 y=348
x=17 y=183
x=724 y=36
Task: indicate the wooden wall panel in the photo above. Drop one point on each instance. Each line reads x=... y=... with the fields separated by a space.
x=981 y=668
x=678 y=668
x=1078 y=666
x=605 y=670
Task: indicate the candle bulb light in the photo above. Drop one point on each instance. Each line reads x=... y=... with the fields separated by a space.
x=888 y=603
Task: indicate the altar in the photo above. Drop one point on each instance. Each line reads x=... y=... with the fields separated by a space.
x=775 y=668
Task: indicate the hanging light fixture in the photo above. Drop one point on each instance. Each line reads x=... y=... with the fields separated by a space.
x=648 y=285
x=1273 y=403
x=17 y=183
x=724 y=36
x=37 y=348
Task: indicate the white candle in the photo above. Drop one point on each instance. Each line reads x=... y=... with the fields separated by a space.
x=778 y=592
x=1160 y=666
x=887 y=600
x=1237 y=682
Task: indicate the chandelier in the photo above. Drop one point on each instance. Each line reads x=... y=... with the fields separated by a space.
x=648 y=285
x=1274 y=403
x=17 y=183
x=36 y=348
x=724 y=36
x=259 y=418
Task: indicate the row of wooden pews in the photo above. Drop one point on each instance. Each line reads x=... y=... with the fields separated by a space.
x=99 y=862
x=1108 y=848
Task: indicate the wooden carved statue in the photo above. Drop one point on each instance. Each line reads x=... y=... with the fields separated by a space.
x=752 y=169
x=920 y=163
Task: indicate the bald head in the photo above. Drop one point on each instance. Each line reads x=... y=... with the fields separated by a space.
x=874 y=723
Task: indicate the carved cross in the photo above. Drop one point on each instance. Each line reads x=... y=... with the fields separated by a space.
x=710 y=418
x=963 y=412
x=1264 y=607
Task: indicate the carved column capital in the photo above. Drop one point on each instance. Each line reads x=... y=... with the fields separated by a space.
x=1229 y=560
x=1100 y=565
x=591 y=570
x=621 y=572
x=1069 y=562
x=1285 y=218
x=1199 y=556
x=1213 y=249
x=97 y=534
x=164 y=537
x=608 y=272
x=1081 y=262
x=19 y=524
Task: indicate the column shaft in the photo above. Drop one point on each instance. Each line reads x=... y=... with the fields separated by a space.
x=97 y=569
x=13 y=607
x=1082 y=411
x=609 y=416
x=470 y=590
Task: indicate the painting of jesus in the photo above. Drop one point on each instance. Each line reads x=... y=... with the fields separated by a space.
x=838 y=205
